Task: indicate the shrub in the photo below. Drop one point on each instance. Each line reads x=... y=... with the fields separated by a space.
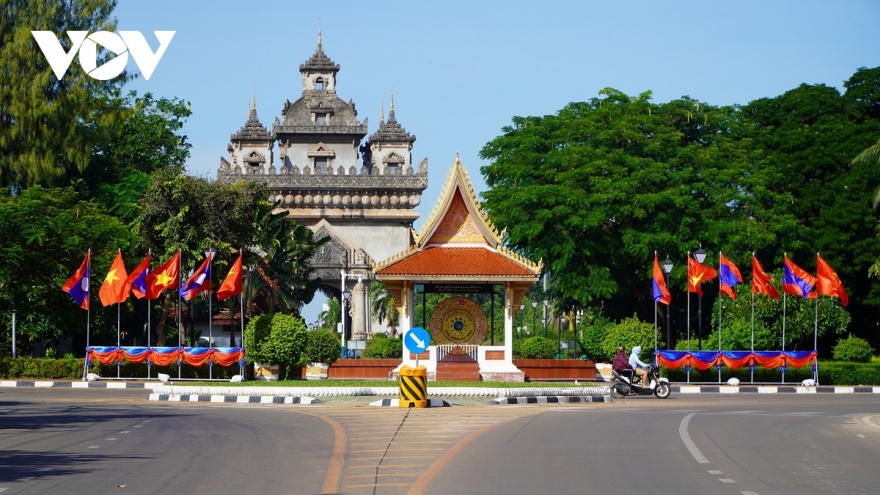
x=593 y=332
x=538 y=348
x=853 y=349
x=322 y=346
x=283 y=345
x=383 y=347
x=631 y=332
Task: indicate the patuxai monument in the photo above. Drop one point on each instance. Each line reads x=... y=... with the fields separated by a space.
x=332 y=175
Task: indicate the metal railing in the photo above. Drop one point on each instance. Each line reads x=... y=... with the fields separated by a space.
x=466 y=353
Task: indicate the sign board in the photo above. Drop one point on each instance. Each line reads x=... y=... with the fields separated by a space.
x=459 y=288
x=417 y=340
x=356 y=344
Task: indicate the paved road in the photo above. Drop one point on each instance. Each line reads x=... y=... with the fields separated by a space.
x=764 y=444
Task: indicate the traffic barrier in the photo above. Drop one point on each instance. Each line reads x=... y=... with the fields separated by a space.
x=413 y=387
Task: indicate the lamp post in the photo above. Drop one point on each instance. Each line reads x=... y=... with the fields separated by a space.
x=534 y=305
x=544 y=319
x=667 y=269
x=346 y=300
x=12 y=301
x=700 y=256
x=522 y=307
x=562 y=321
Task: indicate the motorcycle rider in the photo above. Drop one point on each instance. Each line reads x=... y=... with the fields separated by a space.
x=639 y=367
x=621 y=365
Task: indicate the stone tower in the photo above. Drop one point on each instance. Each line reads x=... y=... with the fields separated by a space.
x=361 y=195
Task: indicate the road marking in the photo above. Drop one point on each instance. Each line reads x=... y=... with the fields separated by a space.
x=45 y=469
x=714 y=471
x=867 y=420
x=3 y=489
x=109 y=439
x=861 y=436
x=94 y=446
x=126 y=431
x=683 y=433
x=726 y=480
x=749 y=493
x=138 y=426
x=26 y=478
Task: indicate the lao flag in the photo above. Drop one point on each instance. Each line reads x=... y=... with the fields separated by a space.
x=796 y=281
x=199 y=281
x=78 y=285
x=729 y=277
x=138 y=278
x=661 y=293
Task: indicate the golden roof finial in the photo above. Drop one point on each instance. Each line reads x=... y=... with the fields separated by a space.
x=382 y=111
x=392 y=100
x=254 y=99
x=457 y=159
x=319 y=34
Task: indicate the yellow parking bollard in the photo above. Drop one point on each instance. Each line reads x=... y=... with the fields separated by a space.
x=413 y=387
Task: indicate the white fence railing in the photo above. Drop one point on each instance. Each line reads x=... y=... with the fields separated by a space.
x=458 y=352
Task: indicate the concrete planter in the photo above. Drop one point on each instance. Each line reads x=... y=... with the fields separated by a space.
x=556 y=369
x=317 y=371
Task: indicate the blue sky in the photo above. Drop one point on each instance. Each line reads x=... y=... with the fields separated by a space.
x=461 y=70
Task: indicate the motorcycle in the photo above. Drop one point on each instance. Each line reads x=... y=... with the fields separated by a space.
x=623 y=386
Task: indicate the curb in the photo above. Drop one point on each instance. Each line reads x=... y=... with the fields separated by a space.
x=782 y=389
x=68 y=384
x=396 y=403
x=234 y=399
x=553 y=399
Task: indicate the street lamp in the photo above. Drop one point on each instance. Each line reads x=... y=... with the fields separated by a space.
x=346 y=300
x=700 y=256
x=544 y=326
x=522 y=307
x=534 y=305
x=667 y=269
x=562 y=321
x=544 y=319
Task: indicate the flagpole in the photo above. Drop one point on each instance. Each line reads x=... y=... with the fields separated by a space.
x=751 y=368
x=88 y=310
x=241 y=319
x=688 y=292
x=784 y=300
x=179 y=307
x=118 y=341
x=210 y=312
x=655 y=333
x=149 y=323
x=816 y=329
x=719 y=310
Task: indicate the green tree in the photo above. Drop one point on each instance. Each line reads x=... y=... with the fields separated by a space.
x=382 y=347
x=383 y=308
x=276 y=339
x=49 y=126
x=631 y=332
x=322 y=346
x=331 y=317
x=45 y=236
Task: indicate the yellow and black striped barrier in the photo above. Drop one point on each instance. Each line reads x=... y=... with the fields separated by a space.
x=413 y=387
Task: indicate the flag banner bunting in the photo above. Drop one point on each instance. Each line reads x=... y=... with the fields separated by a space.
x=116 y=286
x=165 y=276
x=199 y=281
x=704 y=360
x=78 y=285
x=729 y=277
x=828 y=283
x=661 y=292
x=231 y=286
x=167 y=356
x=137 y=279
x=697 y=274
x=796 y=281
x=761 y=282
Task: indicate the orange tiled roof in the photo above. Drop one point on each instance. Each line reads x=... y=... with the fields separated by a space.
x=461 y=261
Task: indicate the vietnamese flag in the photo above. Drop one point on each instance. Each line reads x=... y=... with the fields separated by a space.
x=165 y=276
x=116 y=286
x=697 y=274
x=828 y=283
x=231 y=285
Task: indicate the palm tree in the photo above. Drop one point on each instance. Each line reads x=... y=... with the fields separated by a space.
x=383 y=307
x=330 y=319
x=871 y=155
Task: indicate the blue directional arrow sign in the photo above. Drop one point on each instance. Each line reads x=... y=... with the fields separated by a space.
x=417 y=340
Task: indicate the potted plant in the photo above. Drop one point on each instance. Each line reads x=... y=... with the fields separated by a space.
x=322 y=349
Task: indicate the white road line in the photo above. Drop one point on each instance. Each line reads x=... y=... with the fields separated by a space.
x=109 y=439
x=726 y=480
x=683 y=433
x=26 y=478
x=138 y=426
x=3 y=489
x=94 y=446
x=749 y=493
x=126 y=431
x=867 y=420
x=714 y=471
x=45 y=469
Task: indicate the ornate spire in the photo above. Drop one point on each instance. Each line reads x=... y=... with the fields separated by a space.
x=391 y=131
x=319 y=61
x=382 y=113
x=391 y=110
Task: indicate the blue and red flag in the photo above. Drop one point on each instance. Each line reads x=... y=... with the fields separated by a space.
x=729 y=277
x=796 y=281
x=661 y=293
x=199 y=281
x=78 y=285
x=138 y=278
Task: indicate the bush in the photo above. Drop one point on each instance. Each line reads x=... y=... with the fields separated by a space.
x=383 y=347
x=631 y=332
x=68 y=368
x=593 y=332
x=322 y=346
x=853 y=349
x=538 y=348
x=276 y=339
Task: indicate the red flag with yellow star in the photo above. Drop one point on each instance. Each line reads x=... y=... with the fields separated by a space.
x=697 y=274
x=232 y=284
x=115 y=287
x=165 y=276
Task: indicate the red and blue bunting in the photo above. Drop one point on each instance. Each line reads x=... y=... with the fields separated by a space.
x=166 y=356
x=704 y=360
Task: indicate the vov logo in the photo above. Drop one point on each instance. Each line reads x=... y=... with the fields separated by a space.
x=121 y=43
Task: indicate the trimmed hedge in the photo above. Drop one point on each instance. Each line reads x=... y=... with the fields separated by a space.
x=830 y=373
x=72 y=369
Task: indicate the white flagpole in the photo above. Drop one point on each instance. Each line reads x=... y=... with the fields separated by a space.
x=816 y=328
x=752 y=371
x=210 y=313
x=719 y=311
x=118 y=341
x=687 y=290
x=88 y=310
x=179 y=306
x=149 y=311
x=784 y=299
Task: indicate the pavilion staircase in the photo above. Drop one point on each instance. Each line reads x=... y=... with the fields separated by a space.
x=458 y=363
